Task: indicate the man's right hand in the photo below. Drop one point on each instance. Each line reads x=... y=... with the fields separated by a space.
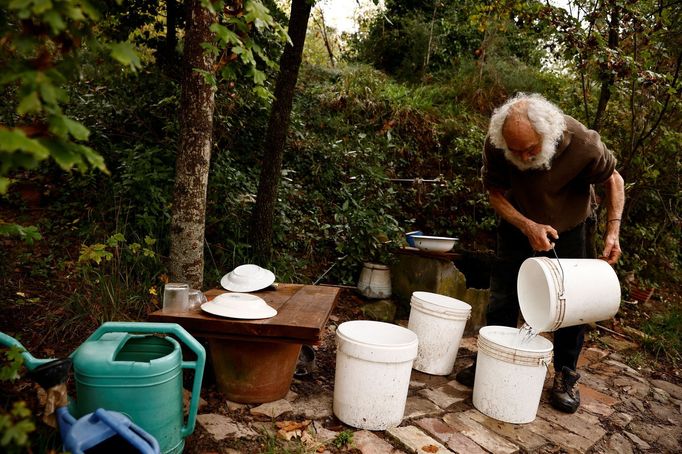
x=539 y=236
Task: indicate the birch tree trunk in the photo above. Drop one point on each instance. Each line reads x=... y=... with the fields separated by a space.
x=194 y=155
x=262 y=217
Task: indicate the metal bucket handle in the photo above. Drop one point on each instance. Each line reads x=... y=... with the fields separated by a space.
x=184 y=336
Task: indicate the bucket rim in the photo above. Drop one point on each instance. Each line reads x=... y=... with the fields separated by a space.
x=397 y=346
x=437 y=299
x=523 y=351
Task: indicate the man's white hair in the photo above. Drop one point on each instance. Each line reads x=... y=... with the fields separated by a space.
x=545 y=118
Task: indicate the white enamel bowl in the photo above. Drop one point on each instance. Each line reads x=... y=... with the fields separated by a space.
x=434 y=243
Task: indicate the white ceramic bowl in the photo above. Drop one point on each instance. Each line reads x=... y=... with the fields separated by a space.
x=247 y=278
x=239 y=305
x=434 y=243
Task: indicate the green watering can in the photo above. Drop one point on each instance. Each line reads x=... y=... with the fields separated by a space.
x=125 y=367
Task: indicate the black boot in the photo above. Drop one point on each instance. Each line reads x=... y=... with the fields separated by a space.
x=467 y=375
x=565 y=395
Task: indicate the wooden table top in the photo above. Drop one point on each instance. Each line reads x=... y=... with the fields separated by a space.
x=302 y=313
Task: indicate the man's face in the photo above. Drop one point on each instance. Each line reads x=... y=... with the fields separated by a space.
x=524 y=145
x=526 y=151
x=523 y=142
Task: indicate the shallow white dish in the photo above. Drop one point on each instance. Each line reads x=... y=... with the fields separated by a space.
x=434 y=243
x=247 y=278
x=239 y=305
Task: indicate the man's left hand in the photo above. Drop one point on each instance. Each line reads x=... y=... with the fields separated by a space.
x=612 y=250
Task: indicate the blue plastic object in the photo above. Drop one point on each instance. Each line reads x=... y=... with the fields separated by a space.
x=103 y=431
x=410 y=240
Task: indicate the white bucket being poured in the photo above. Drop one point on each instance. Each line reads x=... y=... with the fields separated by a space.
x=438 y=321
x=555 y=293
x=373 y=367
x=510 y=372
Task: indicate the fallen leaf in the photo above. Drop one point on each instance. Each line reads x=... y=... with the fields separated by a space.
x=430 y=448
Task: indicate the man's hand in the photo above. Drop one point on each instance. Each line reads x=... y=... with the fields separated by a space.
x=612 y=250
x=539 y=236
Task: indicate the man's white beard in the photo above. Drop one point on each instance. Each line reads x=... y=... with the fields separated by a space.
x=542 y=160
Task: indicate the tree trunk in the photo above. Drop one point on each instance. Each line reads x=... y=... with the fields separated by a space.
x=194 y=154
x=607 y=77
x=325 y=37
x=262 y=217
x=171 y=29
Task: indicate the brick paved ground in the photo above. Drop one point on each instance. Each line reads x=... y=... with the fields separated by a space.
x=622 y=411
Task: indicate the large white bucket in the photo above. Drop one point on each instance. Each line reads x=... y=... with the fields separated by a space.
x=438 y=321
x=565 y=292
x=510 y=373
x=373 y=367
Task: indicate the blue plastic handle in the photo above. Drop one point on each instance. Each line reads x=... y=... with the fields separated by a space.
x=132 y=433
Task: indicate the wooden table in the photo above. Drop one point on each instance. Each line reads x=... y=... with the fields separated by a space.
x=302 y=312
x=254 y=360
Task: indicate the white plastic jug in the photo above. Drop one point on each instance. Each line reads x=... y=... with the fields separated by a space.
x=555 y=293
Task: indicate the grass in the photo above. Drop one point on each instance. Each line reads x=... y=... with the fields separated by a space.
x=665 y=331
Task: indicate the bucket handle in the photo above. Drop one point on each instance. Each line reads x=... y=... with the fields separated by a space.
x=563 y=278
x=184 y=336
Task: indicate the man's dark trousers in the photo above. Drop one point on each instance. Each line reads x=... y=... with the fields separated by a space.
x=503 y=308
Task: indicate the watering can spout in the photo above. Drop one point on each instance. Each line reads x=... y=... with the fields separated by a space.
x=30 y=361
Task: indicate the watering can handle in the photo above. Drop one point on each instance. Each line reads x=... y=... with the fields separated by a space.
x=185 y=337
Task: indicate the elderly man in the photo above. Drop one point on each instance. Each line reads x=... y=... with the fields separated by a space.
x=539 y=168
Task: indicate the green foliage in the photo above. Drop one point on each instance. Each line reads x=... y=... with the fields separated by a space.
x=15 y=427
x=414 y=40
x=665 y=335
x=239 y=32
x=343 y=440
x=116 y=276
x=17 y=423
x=27 y=234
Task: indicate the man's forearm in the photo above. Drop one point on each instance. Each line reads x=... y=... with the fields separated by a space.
x=507 y=211
x=615 y=201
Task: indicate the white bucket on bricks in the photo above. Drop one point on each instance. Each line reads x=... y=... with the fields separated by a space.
x=555 y=293
x=438 y=321
x=510 y=373
x=373 y=367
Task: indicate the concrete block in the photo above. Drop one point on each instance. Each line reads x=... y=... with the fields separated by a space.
x=427 y=274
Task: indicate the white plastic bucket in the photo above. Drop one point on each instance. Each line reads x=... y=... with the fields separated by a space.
x=373 y=367
x=557 y=293
x=510 y=373
x=438 y=321
x=375 y=281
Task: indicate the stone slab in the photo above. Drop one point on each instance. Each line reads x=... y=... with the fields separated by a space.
x=221 y=427
x=272 y=409
x=672 y=389
x=447 y=435
x=485 y=438
x=444 y=396
x=369 y=443
x=565 y=439
x=314 y=407
x=417 y=441
x=581 y=423
x=519 y=434
x=416 y=407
